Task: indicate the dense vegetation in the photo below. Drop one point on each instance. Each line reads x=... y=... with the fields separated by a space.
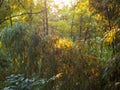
x=50 y=46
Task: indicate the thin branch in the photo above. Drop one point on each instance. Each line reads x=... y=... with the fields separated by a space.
x=19 y=15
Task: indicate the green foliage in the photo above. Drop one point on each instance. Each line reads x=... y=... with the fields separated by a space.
x=46 y=56
x=8 y=35
x=19 y=82
x=108 y=9
x=59 y=55
x=62 y=26
x=54 y=61
x=14 y=42
x=110 y=77
x=4 y=64
x=4 y=10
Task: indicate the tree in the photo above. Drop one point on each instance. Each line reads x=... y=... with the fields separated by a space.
x=109 y=9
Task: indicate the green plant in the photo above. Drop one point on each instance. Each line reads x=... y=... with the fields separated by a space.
x=19 y=82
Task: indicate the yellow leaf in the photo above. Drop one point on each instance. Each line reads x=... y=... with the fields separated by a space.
x=110 y=36
x=63 y=43
x=59 y=75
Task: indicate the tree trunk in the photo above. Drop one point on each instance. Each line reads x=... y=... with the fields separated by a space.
x=46 y=18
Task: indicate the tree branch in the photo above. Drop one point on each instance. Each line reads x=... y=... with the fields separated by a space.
x=26 y=13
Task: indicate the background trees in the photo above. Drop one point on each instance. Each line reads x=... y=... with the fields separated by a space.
x=70 y=47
